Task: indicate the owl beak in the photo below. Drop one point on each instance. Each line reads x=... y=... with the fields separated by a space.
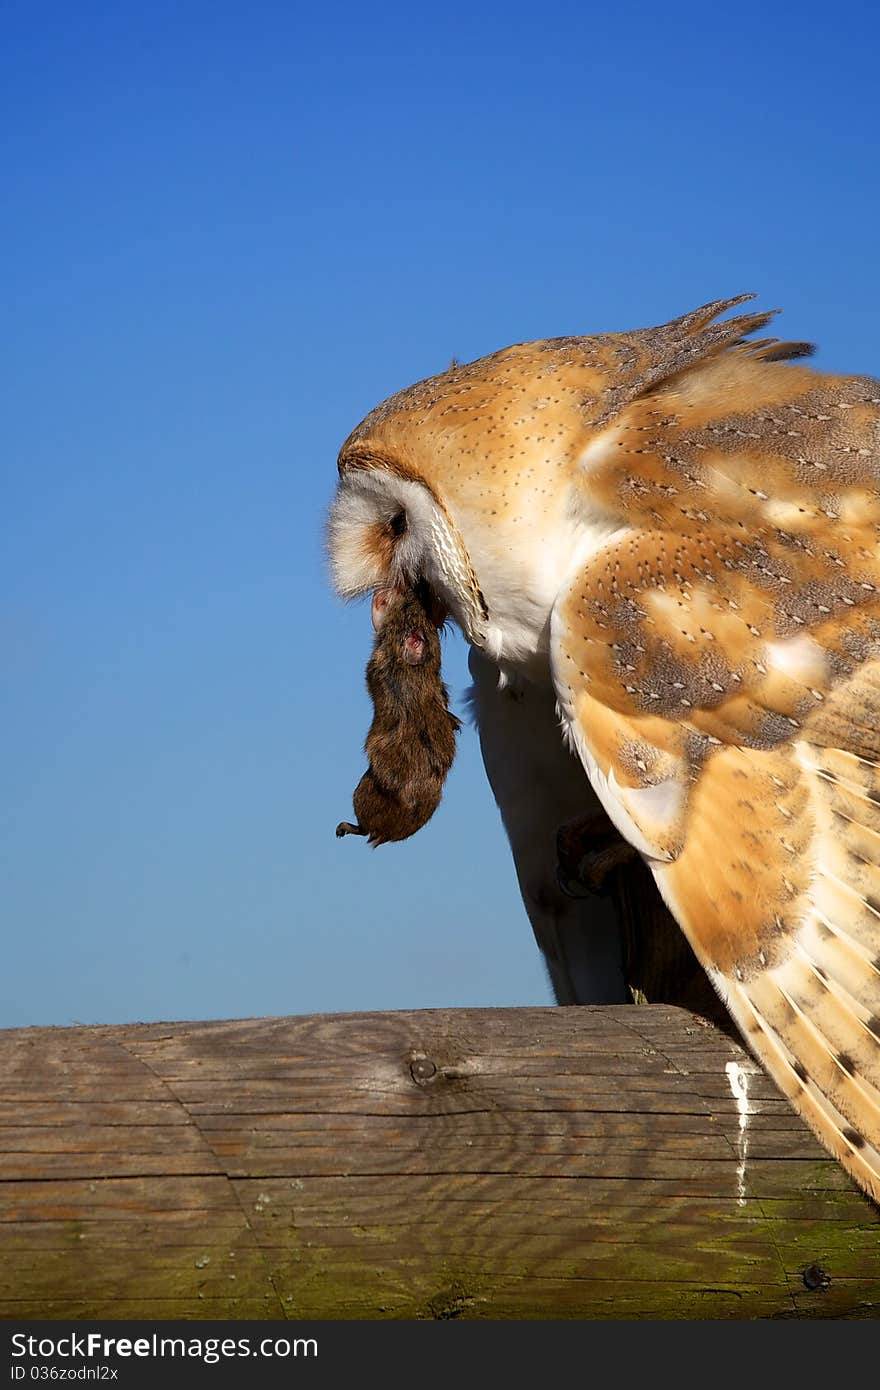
x=434 y=607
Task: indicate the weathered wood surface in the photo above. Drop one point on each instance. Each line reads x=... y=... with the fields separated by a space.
x=515 y=1163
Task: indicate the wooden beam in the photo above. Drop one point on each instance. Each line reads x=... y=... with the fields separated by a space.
x=485 y=1163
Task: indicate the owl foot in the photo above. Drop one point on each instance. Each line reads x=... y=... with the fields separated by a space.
x=588 y=850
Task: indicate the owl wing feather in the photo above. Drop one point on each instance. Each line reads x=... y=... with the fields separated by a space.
x=717 y=666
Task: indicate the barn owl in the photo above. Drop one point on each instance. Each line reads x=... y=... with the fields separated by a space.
x=668 y=540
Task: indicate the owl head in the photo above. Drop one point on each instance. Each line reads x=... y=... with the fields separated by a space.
x=462 y=482
x=472 y=481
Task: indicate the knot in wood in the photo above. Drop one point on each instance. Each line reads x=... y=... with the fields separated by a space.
x=421 y=1069
x=814 y=1277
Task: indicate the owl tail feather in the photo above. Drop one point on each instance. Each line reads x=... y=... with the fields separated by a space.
x=810 y=1022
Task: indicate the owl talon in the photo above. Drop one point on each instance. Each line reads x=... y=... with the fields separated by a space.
x=588 y=851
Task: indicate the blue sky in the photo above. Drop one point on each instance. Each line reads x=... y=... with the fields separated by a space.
x=228 y=231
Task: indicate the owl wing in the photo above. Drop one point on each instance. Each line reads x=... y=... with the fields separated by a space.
x=539 y=785
x=720 y=680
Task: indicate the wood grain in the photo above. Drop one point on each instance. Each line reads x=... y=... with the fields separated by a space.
x=509 y=1163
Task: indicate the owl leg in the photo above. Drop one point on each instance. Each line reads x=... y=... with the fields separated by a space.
x=538 y=785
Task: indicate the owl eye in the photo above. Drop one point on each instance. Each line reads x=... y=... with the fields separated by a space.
x=397 y=524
